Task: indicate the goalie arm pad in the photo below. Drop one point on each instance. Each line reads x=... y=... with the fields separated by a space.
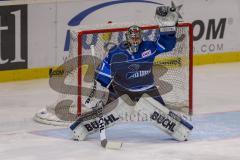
x=103 y=73
x=166 y=42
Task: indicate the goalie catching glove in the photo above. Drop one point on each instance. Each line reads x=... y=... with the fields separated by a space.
x=167 y=18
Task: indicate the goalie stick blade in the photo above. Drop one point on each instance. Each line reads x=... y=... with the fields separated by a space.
x=114 y=145
x=111 y=144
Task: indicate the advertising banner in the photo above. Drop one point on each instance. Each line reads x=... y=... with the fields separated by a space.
x=36 y=33
x=13 y=37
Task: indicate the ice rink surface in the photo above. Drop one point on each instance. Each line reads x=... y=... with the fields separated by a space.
x=216 y=119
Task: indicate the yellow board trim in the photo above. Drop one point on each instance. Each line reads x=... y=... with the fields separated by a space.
x=36 y=73
x=226 y=57
x=24 y=74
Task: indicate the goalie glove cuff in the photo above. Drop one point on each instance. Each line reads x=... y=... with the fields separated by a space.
x=168 y=29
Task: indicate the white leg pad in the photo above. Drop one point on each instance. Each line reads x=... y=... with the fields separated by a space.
x=164 y=119
x=111 y=118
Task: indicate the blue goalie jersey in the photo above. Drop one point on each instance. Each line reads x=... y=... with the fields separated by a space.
x=133 y=71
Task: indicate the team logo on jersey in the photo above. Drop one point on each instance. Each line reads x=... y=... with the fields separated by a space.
x=137 y=74
x=134 y=67
x=146 y=53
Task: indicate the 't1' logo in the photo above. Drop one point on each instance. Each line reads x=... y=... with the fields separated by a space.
x=13 y=37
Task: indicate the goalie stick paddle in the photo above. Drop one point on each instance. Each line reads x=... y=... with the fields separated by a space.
x=104 y=142
x=99 y=107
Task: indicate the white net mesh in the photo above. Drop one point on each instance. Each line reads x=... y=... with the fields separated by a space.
x=171 y=69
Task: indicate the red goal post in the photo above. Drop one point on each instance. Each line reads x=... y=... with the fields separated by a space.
x=174 y=69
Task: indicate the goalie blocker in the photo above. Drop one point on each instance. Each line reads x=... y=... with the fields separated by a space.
x=166 y=120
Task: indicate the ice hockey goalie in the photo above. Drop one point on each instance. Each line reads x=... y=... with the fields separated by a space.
x=126 y=71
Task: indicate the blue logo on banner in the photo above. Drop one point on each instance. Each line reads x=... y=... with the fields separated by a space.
x=76 y=20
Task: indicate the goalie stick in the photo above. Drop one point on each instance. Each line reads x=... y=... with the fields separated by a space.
x=99 y=107
x=102 y=130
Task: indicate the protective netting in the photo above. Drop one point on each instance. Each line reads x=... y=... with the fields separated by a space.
x=172 y=70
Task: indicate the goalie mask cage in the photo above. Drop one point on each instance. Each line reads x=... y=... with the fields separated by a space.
x=174 y=69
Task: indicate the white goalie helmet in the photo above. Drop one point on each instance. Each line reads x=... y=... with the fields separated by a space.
x=134 y=38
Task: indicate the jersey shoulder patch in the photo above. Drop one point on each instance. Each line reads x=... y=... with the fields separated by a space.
x=148 y=48
x=146 y=53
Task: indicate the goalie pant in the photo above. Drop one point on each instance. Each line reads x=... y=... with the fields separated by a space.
x=165 y=120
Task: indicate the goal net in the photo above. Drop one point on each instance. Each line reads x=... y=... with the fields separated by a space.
x=74 y=79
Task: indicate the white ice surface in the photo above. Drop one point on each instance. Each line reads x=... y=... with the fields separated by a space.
x=216 y=89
